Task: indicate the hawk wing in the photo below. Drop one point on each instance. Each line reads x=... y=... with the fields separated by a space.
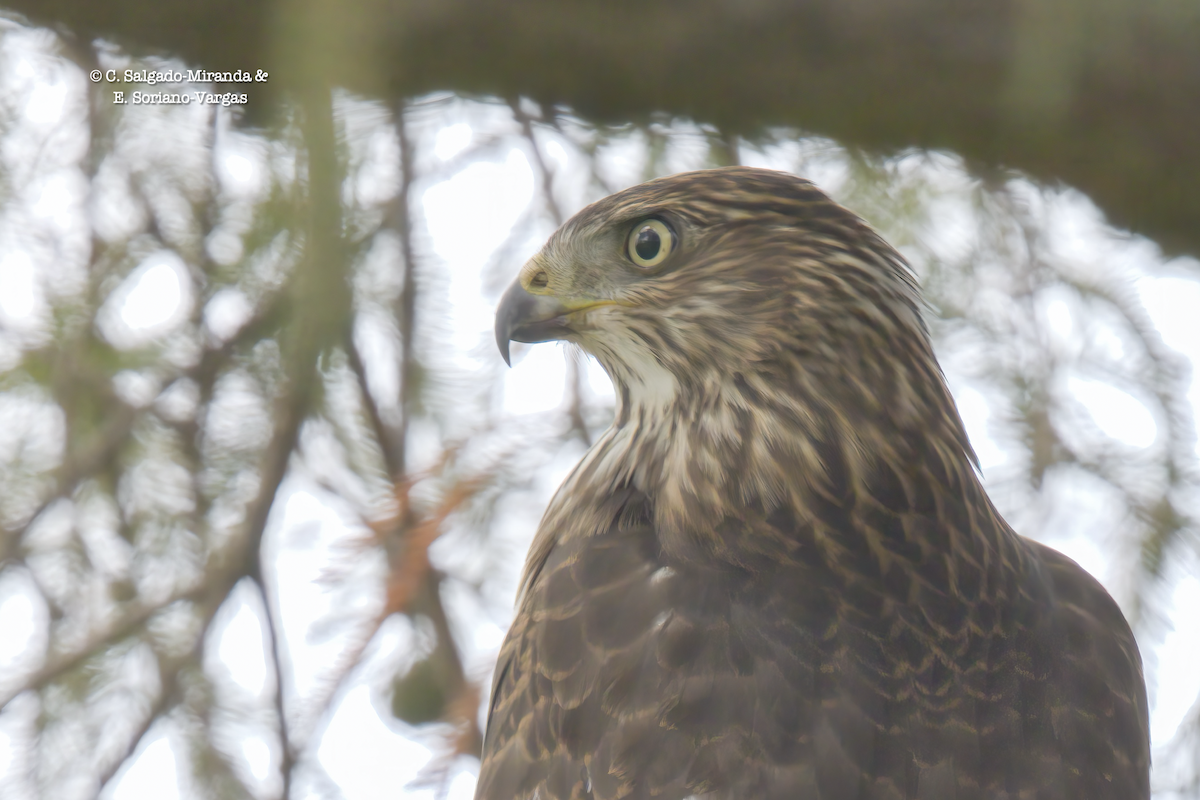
x=815 y=673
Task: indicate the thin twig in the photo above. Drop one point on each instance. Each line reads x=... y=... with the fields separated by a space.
x=211 y=596
x=59 y=663
x=544 y=171
x=288 y=756
x=411 y=580
x=405 y=581
x=168 y=696
x=407 y=302
x=383 y=433
x=574 y=373
x=77 y=466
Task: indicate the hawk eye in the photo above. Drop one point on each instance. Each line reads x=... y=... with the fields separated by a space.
x=650 y=242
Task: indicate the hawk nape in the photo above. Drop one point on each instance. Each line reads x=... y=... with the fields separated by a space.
x=777 y=574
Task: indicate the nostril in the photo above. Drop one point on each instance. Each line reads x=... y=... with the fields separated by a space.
x=539 y=279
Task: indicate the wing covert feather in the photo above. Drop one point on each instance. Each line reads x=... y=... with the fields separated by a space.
x=625 y=676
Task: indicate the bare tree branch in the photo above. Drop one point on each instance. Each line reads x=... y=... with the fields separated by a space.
x=96 y=453
x=168 y=696
x=287 y=752
x=574 y=380
x=406 y=307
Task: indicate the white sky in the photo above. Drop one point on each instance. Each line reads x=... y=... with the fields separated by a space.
x=366 y=752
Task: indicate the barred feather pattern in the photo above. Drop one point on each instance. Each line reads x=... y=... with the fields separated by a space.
x=777 y=574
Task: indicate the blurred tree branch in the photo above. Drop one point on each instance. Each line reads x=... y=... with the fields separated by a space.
x=1093 y=94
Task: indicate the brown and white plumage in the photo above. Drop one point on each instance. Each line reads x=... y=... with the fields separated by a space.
x=777 y=574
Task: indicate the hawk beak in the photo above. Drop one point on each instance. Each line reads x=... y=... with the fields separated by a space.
x=525 y=317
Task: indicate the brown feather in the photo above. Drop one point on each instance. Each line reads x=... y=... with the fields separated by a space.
x=777 y=574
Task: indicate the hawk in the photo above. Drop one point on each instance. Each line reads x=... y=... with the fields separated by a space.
x=777 y=574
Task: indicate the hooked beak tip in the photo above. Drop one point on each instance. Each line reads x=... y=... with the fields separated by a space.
x=524 y=317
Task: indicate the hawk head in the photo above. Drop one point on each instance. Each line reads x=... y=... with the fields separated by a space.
x=745 y=319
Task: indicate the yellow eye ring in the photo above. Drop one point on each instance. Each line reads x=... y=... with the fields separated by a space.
x=649 y=243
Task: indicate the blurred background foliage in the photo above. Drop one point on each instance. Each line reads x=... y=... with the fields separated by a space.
x=258 y=452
